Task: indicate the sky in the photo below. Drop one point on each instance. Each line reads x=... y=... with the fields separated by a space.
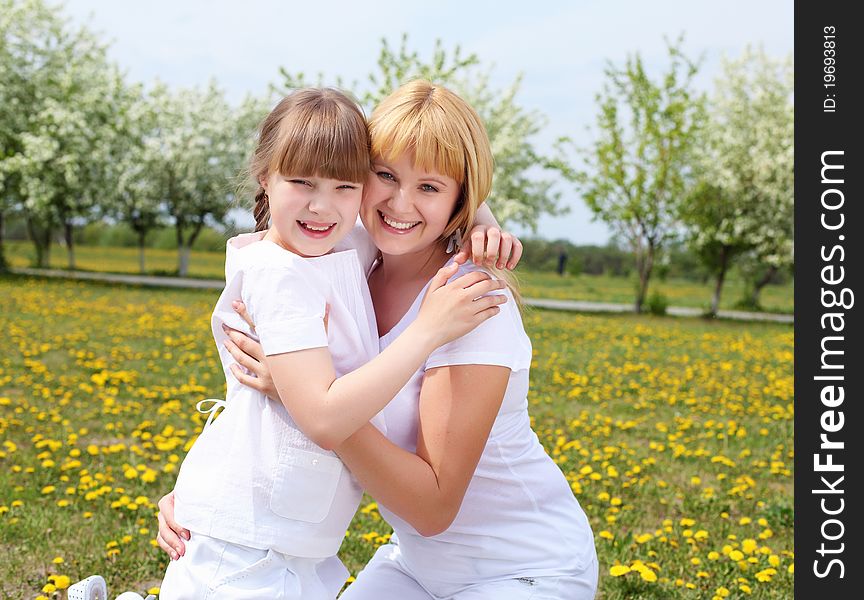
x=559 y=48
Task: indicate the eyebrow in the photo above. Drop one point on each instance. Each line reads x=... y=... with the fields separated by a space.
x=438 y=181
x=381 y=163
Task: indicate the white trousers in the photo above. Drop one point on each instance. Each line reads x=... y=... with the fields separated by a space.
x=213 y=569
x=387 y=577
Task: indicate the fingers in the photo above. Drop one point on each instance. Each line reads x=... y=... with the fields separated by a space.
x=241 y=357
x=246 y=379
x=441 y=277
x=245 y=343
x=170 y=532
x=504 y=251
x=517 y=254
x=240 y=308
x=484 y=287
x=484 y=303
x=478 y=245
x=493 y=243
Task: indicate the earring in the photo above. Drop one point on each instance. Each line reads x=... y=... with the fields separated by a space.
x=455 y=242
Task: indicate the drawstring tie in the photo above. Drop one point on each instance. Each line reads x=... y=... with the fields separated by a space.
x=217 y=404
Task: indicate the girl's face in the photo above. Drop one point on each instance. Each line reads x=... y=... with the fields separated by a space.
x=309 y=215
x=405 y=209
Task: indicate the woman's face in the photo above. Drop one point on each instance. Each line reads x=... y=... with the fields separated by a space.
x=405 y=209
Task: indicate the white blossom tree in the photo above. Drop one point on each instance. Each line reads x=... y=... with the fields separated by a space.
x=522 y=186
x=193 y=154
x=64 y=94
x=743 y=207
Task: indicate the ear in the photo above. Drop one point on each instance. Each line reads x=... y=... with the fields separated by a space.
x=262 y=181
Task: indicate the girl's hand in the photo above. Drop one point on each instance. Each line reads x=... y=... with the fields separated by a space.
x=250 y=355
x=450 y=310
x=170 y=532
x=488 y=246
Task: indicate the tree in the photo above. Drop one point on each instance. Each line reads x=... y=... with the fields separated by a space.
x=194 y=153
x=743 y=206
x=63 y=90
x=639 y=167
x=518 y=194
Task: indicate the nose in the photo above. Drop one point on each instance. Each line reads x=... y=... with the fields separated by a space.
x=319 y=204
x=399 y=202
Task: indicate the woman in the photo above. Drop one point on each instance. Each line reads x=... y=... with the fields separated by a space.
x=478 y=508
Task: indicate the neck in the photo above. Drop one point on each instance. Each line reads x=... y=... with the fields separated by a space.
x=422 y=264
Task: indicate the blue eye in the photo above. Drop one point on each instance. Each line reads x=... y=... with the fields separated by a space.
x=428 y=188
x=300 y=182
x=385 y=176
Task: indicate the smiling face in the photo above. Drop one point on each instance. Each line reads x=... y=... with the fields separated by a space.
x=405 y=208
x=309 y=215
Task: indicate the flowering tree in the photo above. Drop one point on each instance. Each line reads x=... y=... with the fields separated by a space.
x=639 y=167
x=522 y=189
x=193 y=152
x=743 y=206
x=61 y=94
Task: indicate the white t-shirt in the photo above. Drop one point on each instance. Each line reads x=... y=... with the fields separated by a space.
x=519 y=517
x=252 y=477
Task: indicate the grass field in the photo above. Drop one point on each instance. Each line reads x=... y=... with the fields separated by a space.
x=596 y=288
x=675 y=435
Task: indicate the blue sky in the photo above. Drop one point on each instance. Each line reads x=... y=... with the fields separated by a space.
x=560 y=48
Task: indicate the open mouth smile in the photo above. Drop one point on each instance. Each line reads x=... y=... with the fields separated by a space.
x=399 y=226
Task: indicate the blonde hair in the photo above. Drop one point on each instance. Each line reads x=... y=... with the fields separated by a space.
x=311 y=132
x=446 y=135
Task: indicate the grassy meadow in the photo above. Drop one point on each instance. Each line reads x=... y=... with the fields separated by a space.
x=595 y=288
x=675 y=435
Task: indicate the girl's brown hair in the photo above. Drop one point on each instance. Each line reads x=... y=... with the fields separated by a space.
x=311 y=132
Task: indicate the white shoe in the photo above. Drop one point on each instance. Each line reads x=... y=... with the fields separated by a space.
x=129 y=596
x=92 y=588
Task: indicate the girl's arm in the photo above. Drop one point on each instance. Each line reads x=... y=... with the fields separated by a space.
x=458 y=406
x=329 y=409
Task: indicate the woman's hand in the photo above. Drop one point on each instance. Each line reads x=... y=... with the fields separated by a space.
x=450 y=310
x=249 y=354
x=488 y=246
x=170 y=532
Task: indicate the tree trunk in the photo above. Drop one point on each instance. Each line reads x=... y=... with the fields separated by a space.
x=68 y=230
x=757 y=286
x=41 y=237
x=721 y=275
x=4 y=266
x=183 y=265
x=644 y=265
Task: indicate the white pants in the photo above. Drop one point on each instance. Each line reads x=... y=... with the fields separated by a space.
x=387 y=577
x=213 y=569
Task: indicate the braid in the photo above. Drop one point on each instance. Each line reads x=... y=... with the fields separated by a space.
x=262 y=210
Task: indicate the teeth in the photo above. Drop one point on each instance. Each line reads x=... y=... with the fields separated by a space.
x=397 y=224
x=313 y=228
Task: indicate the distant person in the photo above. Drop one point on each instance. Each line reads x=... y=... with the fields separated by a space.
x=562 y=261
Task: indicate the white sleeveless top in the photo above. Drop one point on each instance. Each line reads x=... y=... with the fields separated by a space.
x=252 y=477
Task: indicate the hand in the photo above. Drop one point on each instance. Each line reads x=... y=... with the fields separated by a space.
x=170 y=532
x=450 y=310
x=500 y=248
x=249 y=354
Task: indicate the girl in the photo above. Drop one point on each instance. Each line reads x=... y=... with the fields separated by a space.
x=267 y=499
x=478 y=508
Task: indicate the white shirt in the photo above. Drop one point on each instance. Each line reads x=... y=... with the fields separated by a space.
x=519 y=516
x=252 y=477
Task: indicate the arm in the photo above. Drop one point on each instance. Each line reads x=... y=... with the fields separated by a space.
x=328 y=410
x=456 y=415
x=501 y=249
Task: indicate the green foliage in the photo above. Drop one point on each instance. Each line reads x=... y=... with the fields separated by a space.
x=518 y=195
x=657 y=304
x=639 y=167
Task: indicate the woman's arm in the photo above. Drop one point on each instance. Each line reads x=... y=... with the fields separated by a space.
x=329 y=409
x=458 y=406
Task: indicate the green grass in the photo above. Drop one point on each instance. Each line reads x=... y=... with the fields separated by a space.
x=654 y=422
x=596 y=288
